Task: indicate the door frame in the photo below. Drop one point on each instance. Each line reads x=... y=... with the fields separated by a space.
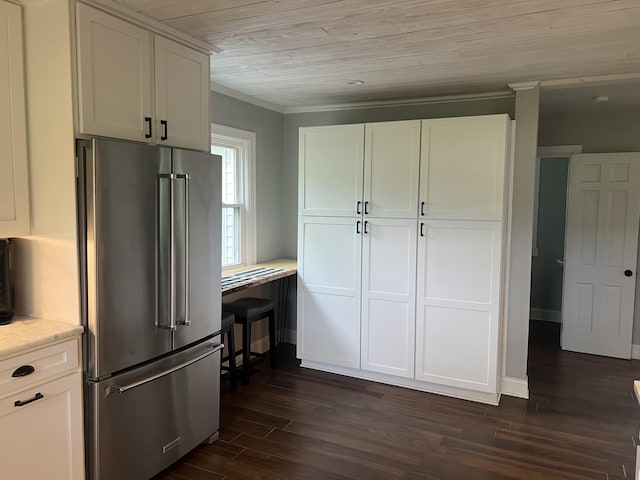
x=558 y=151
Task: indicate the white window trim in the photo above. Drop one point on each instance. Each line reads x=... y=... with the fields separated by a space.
x=556 y=151
x=230 y=137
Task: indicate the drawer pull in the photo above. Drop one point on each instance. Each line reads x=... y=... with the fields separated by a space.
x=23 y=371
x=20 y=403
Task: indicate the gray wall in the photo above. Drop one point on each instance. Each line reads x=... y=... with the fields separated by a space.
x=597 y=132
x=292 y=122
x=268 y=126
x=546 y=273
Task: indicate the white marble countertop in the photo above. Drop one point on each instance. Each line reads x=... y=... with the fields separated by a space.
x=26 y=333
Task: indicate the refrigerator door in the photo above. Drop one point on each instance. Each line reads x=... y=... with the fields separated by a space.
x=197 y=245
x=147 y=418
x=119 y=198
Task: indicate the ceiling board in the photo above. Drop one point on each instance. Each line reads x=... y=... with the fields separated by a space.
x=302 y=52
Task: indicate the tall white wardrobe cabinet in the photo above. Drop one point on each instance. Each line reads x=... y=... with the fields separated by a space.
x=400 y=240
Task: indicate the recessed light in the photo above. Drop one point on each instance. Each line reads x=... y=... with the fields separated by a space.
x=355 y=82
x=600 y=99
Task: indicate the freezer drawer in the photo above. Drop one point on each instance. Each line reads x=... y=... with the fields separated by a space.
x=144 y=420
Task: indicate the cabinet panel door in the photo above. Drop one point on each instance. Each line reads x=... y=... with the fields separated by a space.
x=462 y=167
x=388 y=296
x=43 y=439
x=182 y=95
x=329 y=291
x=458 y=303
x=14 y=181
x=330 y=177
x=114 y=76
x=391 y=166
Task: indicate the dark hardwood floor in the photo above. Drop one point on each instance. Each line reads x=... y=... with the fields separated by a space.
x=581 y=422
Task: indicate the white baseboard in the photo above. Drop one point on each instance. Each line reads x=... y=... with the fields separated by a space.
x=515 y=387
x=635 y=352
x=545 y=314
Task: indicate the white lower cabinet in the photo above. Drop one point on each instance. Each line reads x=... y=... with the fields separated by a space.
x=388 y=296
x=42 y=425
x=458 y=303
x=329 y=290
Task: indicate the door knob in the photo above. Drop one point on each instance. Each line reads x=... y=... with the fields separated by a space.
x=628 y=273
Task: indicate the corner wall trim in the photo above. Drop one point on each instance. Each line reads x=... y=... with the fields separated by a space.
x=635 y=352
x=515 y=387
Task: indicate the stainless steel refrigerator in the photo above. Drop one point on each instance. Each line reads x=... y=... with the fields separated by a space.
x=149 y=228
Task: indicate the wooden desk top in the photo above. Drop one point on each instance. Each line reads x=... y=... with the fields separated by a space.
x=288 y=266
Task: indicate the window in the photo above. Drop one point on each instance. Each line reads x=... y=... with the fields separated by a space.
x=237 y=149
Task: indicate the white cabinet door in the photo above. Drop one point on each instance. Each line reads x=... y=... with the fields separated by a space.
x=391 y=169
x=330 y=178
x=14 y=181
x=114 y=76
x=462 y=167
x=329 y=290
x=388 y=296
x=182 y=95
x=45 y=425
x=458 y=303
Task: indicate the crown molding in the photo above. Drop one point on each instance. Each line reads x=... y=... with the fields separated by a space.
x=467 y=97
x=524 y=85
x=591 y=80
x=243 y=97
x=131 y=15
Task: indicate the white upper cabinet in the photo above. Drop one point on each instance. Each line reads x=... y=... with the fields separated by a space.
x=14 y=178
x=121 y=65
x=392 y=160
x=330 y=162
x=182 y=95
x=114 y=76
x=463 y=167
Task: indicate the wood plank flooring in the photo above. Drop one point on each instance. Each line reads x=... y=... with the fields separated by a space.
x=581 y=422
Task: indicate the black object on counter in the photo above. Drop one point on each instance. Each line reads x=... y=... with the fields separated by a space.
x=6 y=281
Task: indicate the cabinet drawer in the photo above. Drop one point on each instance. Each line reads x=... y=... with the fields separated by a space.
x=48 y=363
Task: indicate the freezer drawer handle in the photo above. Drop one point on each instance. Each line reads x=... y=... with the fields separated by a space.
x=124 y=388
x=20 y=403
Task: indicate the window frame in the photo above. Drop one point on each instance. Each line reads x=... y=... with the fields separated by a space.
x=244 y=142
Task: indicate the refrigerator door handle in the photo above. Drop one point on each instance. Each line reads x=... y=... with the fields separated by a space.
x=151 y=378
x=166 y=282
x=183 y=209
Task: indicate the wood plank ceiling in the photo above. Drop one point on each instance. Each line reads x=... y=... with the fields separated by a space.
x=304 y=52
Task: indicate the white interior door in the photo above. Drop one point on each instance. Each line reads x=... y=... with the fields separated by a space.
x=600 y=253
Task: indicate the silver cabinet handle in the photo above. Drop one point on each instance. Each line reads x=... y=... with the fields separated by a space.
x=124 y=388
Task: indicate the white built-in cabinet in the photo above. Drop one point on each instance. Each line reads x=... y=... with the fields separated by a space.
x=41 y=414
x=14 y=180
x=401 y=233
x=137 y=85
x=357 y=236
